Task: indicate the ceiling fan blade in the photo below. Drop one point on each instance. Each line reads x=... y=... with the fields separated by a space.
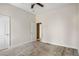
x=32 y=6
x=40 y=4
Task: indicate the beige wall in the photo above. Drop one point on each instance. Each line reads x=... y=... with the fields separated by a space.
x=78 y=26
x=21 y=22
x=59 y=26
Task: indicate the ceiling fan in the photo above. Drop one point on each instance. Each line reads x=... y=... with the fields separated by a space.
x=39 y=4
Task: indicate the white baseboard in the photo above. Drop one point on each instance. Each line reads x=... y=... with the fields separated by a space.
x=58 y=44
x=20 y=44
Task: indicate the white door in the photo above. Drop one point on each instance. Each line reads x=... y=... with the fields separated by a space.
x=4 y=32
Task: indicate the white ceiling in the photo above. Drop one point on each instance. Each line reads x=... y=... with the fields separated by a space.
x=37 y=9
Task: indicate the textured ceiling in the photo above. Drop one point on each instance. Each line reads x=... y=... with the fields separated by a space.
x=37 y=9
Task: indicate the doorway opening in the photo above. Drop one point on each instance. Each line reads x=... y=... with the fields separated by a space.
x=38 y=31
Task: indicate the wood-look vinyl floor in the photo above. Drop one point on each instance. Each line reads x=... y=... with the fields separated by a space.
x=39 y=49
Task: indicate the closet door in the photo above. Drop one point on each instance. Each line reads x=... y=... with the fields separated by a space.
x=4 y=32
